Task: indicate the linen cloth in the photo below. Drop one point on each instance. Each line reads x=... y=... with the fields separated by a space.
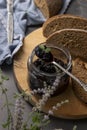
x=25 y=13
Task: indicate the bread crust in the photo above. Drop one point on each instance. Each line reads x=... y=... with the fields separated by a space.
x=63 y=21
x=49 y=8
x=80 y=71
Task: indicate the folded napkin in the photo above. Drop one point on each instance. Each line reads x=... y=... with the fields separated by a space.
x=25 y=13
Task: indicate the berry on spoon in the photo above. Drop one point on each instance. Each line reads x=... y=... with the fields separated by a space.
x=44 y=53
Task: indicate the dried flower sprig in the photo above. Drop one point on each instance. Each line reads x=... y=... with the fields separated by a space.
x=48 y=91
x=7 y=124
x=58 y=105
x=18 y=116
x=38 y=119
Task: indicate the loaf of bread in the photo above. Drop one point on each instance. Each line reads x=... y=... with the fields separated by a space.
x=64 y=21
x=73 y=39
x=49 y=8
x=80 y=71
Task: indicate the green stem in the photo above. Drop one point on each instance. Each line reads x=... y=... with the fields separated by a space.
x=7 y=105
x=26 y=122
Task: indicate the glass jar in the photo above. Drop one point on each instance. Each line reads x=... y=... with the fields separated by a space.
x=39 y=79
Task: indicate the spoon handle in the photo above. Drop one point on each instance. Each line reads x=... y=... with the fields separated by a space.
x=71 y=75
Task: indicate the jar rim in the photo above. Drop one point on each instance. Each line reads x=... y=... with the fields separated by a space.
x=62 y=49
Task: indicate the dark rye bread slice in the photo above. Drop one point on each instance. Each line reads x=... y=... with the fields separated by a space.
x=73 y=39
x=49 y=8
x=80 y=71
x=64 y=21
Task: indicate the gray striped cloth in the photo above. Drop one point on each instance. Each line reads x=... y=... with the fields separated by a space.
x=25 y=14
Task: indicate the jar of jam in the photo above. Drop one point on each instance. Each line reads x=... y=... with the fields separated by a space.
x=42 y=73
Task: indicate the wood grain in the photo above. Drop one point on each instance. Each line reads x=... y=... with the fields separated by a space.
x=75 y=109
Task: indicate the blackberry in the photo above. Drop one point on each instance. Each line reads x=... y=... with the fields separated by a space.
x=44 y=53
x=47 y=57
x=60 y=62
x=39 y=62
x=39 y=52
x=48 y=68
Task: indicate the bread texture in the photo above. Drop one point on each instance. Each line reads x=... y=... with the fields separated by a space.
x=64 y=21
x=80 y=71
x=49 y=8
x=75 y=40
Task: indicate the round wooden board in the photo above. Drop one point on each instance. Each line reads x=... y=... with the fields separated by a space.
x=75 y=109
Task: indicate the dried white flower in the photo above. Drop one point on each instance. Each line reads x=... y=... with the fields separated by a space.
x=50 y=112
x=39 y=90
x=62 y=102
x=58 y=105
x=75 y=127
x=45 y=84
x=53 y=88
x=47 y=95
x=66 y=101
x=46 y=117
x=54 y=108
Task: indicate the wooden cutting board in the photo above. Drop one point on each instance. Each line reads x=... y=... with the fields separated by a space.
x=75 y=109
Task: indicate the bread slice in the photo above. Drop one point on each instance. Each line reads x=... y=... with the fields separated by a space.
x=73 y=39
x=49 y=8
x=64 y=21
x=80 y=71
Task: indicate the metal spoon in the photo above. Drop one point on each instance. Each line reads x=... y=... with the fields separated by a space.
x=84 y=85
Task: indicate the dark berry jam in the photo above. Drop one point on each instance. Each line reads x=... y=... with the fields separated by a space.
x=37 y=79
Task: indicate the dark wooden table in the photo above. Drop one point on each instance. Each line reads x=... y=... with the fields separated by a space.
x=77 y=7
